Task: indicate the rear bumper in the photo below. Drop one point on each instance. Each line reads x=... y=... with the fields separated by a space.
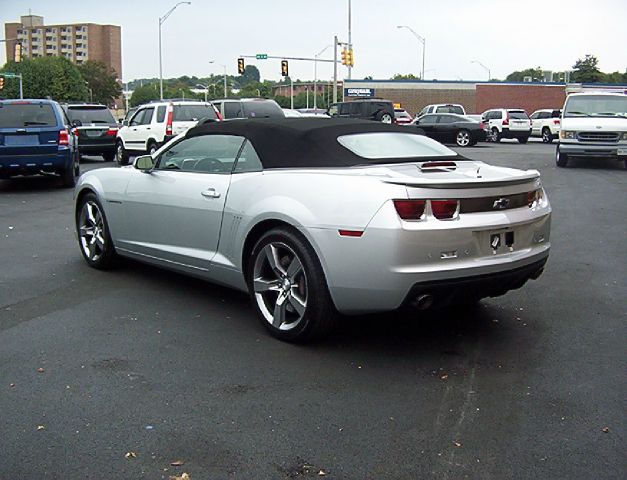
x=15 y=165
x=97 y=146
x=507 y=133
x=591 y=150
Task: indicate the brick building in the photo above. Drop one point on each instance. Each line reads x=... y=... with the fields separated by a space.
x=77 y=42
x=476 y=97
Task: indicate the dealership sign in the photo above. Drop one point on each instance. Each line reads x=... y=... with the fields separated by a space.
x=359 y=92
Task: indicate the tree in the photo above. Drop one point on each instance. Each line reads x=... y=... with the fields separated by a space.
x=251 y=74
x=54 y=77
x=587 y=71
x=102 y=81
x=409 y=76
x=536 y=74
x=144 y=94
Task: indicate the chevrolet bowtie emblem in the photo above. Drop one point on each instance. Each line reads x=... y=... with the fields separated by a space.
x=500 y=203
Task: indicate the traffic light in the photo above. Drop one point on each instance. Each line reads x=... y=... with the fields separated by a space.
x=350 y=59
x=17 y=55
x=344 y=56
x=284 y=68
x=240 y=66
x=1 y=82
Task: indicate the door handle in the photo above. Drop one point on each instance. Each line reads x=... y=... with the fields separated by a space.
x=210 y=193
x=147 y=128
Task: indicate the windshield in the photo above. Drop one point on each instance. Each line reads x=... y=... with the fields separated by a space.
x=380 y=145
x=193 y=113
x=87 y=115
x=262 y=109
x=20 y=115
x=596 y=105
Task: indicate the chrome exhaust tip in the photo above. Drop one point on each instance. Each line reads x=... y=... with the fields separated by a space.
x=423 y=302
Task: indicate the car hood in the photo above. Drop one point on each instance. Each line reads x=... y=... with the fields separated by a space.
x=595 y=124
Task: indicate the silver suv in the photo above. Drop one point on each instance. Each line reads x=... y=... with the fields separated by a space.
x=230 y=108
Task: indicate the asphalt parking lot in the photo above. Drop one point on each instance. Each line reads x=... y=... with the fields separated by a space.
x=115 y=375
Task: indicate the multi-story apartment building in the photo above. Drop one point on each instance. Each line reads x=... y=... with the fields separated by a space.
x=77 y=42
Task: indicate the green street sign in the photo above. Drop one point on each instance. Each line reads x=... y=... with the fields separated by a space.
x=10 y=75
x=261 y=56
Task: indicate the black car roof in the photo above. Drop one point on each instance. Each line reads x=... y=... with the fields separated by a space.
x=307 y=142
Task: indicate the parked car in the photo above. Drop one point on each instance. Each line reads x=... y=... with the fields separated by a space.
x=545 y=124
x=442 y=108
x=507 y=123
x=291 y=210
x=313 y=112
x=289 y=113
x=594 y=124
x=155 y=123
x=367 y=109
x=402 y=117
x=230 y=108
x=37 y=138
x=451 y=128
x=96 y=129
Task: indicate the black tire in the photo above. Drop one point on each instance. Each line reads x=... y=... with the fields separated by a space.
x=495 y=135
x=318 y=315
x=121 y=155
x=70 y=175
x=108 y=156
x=152 y=147
x=547 y=136
x=105 y=255
x=463 y=138
x=523 y=139
x=561 y=159
x=384 y=117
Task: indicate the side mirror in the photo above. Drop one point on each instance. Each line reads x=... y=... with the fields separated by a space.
x=125 y=123
x=145 y=163
x=77 y=123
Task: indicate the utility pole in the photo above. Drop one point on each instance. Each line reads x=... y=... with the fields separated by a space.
x=335 y=69
x=350 y=43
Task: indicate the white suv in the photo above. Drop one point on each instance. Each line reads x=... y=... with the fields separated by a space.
x=546 y=124
x=155 y=123
x=507 y=123
x=593 y=125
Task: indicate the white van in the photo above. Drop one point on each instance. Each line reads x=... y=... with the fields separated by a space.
x=593 y=125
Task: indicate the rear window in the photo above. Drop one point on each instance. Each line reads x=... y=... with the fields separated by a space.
x=519 y=115
x=451 y=109
x=20 y=115
x=87 y=115
x=193 y=113
x=401 y=114
x=262 y=109
x=380 y=145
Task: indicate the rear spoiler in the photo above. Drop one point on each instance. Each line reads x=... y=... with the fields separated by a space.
x=525 y=177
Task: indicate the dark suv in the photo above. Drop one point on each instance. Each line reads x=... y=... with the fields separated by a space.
x=372 y=109
x=96 y=128
x=36 y=137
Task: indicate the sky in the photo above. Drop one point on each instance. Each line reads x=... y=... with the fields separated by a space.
x=504 y=35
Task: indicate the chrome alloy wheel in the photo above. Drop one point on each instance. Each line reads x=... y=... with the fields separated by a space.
x=463 y=138
x=91 y=231
x=280 y=286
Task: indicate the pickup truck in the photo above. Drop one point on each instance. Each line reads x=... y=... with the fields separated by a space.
x=593 y=125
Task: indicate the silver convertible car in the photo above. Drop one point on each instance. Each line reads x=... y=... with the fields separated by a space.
x=319 y=216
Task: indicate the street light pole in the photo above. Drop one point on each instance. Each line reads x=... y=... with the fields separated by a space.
x=161 y=21
x=479 y=63
x=423 y=41
x=335 y=69
x=315 y=103
x=350 y=43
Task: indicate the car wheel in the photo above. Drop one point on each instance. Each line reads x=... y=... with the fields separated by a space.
x=152 y=148
x=121 y=154
x=70 y=175
x=523 y=139
x=495 y=135
x=288 y=288
x=385 y=117
x=93 y=233
x=561 y=159
x=108 y=156
x=547 y=136
x=462 y=138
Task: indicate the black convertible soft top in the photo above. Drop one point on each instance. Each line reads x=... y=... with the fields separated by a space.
x=305 y=142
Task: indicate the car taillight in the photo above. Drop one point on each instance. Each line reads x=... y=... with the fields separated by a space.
x=506 y=120
x=482 y=126
x=64 y=137
x=410 y=209
x=534 y=197
x=219 y=117
x=112 y=132
x=168 y=123
x=443 y=209
x=556 y=121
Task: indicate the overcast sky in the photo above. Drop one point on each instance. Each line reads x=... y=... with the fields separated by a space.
x=504 y=35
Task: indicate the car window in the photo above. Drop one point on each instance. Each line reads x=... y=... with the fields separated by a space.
x=248 y=160
x=333 y=110
x=90 y=114
x=204 y=154
x=355 y=108
x=161 y=113
x=20 y=115
x=137 y=118
x=381 y=145
x=233 y=110
x=147 y=117
x=451 y=109
x=344 y=108
x=427 y=120
x=519 y=115
x=262 y=109
x=448 y=119
x=192 y=113
x=535 y=115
